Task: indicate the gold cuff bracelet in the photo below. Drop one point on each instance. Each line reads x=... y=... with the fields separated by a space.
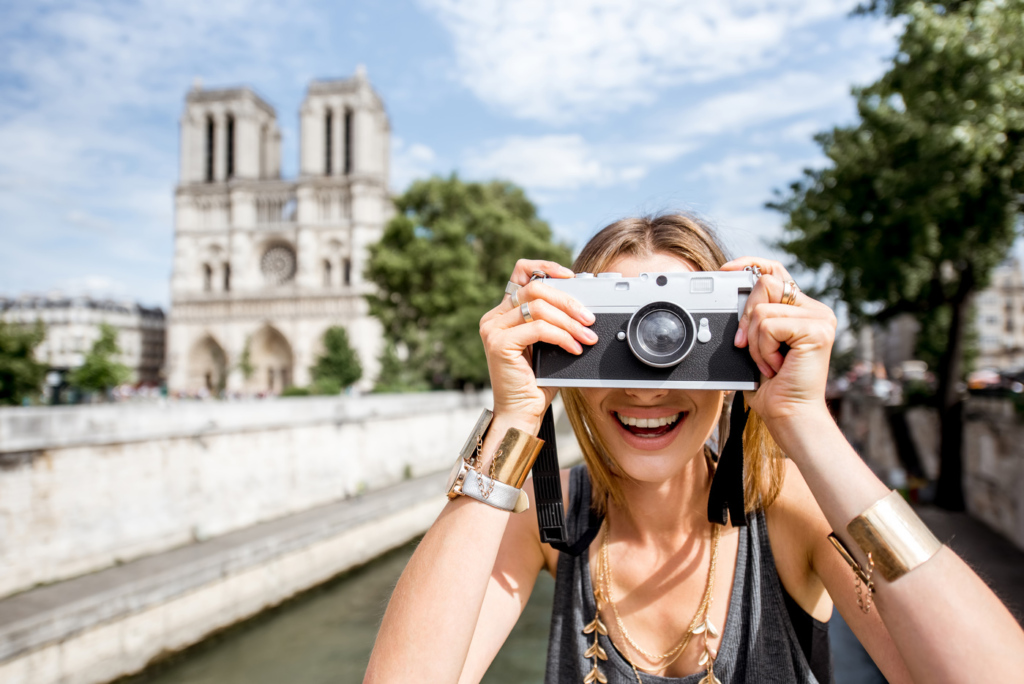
x=514 y=457
x=893 y=537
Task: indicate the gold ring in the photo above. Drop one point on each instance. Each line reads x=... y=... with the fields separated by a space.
x=515 y=298
x=525 y=310
x=789 y=292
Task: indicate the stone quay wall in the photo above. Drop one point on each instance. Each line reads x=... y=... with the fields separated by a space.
x=993 y=452
x=84 y=488
x=994 y=466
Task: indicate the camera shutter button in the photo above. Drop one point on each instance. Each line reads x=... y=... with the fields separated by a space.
x=703 y=331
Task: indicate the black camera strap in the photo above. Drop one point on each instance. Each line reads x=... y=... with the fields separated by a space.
x=725 y=500
x=547 y=496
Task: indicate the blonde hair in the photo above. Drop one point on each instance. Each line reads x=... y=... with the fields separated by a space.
x=689 y=238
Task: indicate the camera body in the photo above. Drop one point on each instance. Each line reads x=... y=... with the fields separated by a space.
x=657 y=330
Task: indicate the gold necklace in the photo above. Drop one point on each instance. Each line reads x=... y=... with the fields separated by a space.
x=700 y=624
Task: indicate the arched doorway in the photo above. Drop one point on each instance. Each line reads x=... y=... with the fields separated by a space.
x=207 y=365
x=272 y=360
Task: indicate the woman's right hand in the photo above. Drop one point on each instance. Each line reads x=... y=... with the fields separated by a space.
x=558 y=318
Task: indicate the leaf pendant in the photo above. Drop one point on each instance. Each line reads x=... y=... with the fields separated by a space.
x=595 y=675
x=707 y=626
x=703 y=659
x=596 y=650
x=596 y=624
x=710 y=678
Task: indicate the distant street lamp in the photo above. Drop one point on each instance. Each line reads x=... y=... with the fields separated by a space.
x=54 y=380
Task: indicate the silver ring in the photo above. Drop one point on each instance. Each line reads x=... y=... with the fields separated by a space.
x=538 y=274
x=525 y=310
x=515 y=298
x=511 y=288
x=789 y=292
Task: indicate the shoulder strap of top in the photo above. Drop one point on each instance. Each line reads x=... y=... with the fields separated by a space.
x=582 y=522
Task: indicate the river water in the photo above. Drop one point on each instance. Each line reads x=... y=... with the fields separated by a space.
x=326 y=635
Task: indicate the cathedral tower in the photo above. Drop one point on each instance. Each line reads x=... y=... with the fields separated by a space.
x=263 y=265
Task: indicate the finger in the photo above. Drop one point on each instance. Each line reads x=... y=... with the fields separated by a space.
x=773 y=325
x=767 y=266
x=769 y=289
x=520 y=337
x=753 y=344
x=525 y=267
x=769 y=348
x=541 y=309
x=562 y=300
x=761 y=294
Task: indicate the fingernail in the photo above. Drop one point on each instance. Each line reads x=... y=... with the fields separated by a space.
x=567 y=271
x=579 y=348
x=764 y=371
x=588 y=317
x=738 y=338
x=589 y=335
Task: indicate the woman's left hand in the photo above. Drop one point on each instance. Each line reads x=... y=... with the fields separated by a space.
x=794 y=383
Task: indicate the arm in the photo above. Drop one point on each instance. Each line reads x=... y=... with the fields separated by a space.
x=946 y=625
x=944 y=622
x=465 y=585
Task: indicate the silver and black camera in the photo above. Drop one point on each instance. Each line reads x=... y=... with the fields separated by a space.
x=658 y=330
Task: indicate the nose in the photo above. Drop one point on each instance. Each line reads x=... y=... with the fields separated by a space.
x=646 y=396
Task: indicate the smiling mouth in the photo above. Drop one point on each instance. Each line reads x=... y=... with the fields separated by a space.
x=649 y=427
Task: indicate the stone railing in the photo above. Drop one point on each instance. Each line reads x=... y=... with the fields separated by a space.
x=87 y=487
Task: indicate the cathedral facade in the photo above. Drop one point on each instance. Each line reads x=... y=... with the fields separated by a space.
x=264 y=265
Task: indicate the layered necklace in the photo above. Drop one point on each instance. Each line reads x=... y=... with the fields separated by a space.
x=700 y=625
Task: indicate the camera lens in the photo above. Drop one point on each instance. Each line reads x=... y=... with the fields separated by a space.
x=661 y=334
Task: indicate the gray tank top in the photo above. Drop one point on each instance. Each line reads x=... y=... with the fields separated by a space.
x=759 y=643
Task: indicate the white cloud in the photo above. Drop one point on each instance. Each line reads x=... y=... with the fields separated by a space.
x=88 y=125
x=95 y=285
x=559 y=60
x=550 y=163
x=762 y=104
x=741 y=183
x=410 y=162
x=733 y=168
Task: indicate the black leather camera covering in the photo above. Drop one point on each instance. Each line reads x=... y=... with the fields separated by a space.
x=611 y=359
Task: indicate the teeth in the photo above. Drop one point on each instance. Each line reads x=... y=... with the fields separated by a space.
x=648 y=422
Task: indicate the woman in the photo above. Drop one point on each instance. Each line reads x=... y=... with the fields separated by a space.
x=661 y=592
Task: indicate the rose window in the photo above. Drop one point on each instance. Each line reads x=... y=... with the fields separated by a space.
x=278 y=264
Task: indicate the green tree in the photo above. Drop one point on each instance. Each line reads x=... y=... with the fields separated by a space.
x=339 y=366
x=100 y=372
x=245 y=361
x=923 y=196
x=21 y=376
x=398 y=376
x=443 y=262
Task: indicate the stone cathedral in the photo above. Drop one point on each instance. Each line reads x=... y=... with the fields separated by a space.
x=266 y=264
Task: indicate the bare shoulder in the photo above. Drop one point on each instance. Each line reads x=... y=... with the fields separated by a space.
x=797 y=528
x=523 y=526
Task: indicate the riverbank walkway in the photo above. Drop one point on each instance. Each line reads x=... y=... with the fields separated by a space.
x=107 y=624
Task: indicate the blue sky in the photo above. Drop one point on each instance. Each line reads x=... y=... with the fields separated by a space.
x=600 y=108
